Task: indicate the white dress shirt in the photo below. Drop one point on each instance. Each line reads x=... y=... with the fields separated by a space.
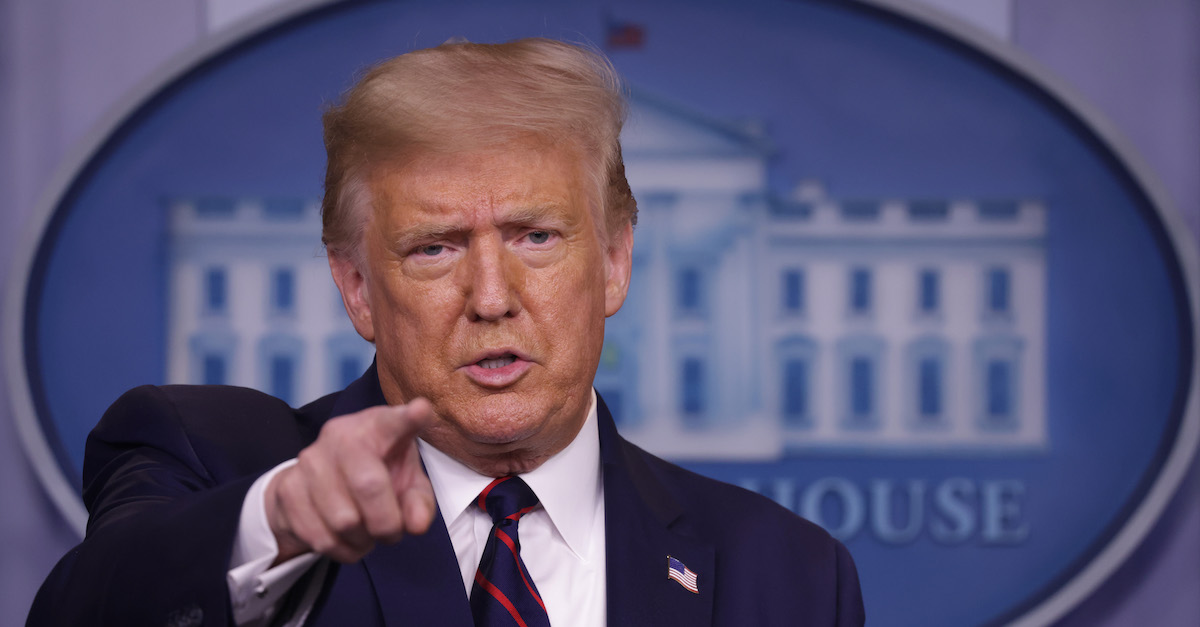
x=562 y=541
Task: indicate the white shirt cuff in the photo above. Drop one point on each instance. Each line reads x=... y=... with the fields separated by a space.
x=256 y=589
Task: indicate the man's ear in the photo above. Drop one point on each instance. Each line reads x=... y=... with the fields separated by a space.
x=353 y=285
x=619 y=264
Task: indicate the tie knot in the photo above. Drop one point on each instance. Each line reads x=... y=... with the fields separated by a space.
x=506 y=499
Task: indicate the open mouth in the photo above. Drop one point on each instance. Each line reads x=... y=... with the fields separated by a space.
x=497 y=362
x=499 y=368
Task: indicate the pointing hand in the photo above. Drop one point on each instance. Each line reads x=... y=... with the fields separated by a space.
x=360 y=483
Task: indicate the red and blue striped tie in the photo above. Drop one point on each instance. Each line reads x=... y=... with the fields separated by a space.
x=503 y=593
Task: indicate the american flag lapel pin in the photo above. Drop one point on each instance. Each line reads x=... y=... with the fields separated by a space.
x=682 y=574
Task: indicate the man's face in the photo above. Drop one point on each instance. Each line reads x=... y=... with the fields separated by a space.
x=485 y=287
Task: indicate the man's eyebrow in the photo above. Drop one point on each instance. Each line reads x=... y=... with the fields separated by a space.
x=536 y=215
x=427 y=232
x=532 y=216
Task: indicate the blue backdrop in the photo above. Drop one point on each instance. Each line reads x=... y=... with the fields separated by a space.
x=871 y=104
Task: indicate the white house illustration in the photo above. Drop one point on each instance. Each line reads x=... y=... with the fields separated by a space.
x=251 y=301
x=756 y=326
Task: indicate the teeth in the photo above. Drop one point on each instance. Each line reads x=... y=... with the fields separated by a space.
x=497 y=362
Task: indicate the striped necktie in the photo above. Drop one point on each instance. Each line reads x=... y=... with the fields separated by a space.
x=503 y=593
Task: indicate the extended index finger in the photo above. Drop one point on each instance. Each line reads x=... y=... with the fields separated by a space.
x=398 y=425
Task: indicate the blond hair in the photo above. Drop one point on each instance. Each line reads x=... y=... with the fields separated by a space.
x=464 y=96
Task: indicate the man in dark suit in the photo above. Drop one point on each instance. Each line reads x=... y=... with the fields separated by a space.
x=480 y=229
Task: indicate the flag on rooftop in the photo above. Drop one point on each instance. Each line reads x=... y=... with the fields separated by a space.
x=620 y=34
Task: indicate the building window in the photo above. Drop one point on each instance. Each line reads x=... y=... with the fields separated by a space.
x=688 y=294
x=692 y=382
x=610 y=356
x=613 y=399
x=283 y=377
x=795 y=391
x=214 y=370
x=211 y=358
x=349 y=370
x=795 y=358
x=860 y=210
x=862 y=387
x=999 y=391
x=214 y=207
x=998 y=290
x=346 y=358
x=793 y=291
x=929 y=292
x=925 y=381
x=860 y=381
x=997 y=386
x=216 y=287
x=283 y=291
x=929 y=210
x=999 y=210
x=283 y=209
x=617 y=379
x=860 y=291
x=280 y=366
x=929 y=388
x=658 y=200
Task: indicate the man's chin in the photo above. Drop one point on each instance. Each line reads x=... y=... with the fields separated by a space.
x=494 y=451
x=516 y=427
x=501 y=434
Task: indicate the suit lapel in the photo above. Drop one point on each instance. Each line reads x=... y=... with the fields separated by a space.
x=643 y=526
x=416 y=581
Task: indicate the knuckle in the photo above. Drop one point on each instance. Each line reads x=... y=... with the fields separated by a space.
x=385 y=526
x=324 y=543
x=336 y=428
x=308 y=457
x=344 y=521
x=369 y=485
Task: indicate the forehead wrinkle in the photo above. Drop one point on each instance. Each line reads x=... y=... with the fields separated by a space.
x=428 y=199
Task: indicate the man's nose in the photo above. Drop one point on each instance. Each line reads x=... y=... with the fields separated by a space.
x=493 y=281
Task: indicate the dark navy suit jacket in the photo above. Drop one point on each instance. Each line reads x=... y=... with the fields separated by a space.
x=167 y=468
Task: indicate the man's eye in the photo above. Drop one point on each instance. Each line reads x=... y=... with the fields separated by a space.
x=432 y=250
x=539 y=237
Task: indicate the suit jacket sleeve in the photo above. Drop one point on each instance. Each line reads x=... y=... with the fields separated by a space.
x=164 y=482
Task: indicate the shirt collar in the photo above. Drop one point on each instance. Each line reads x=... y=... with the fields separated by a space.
x=568 y=485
